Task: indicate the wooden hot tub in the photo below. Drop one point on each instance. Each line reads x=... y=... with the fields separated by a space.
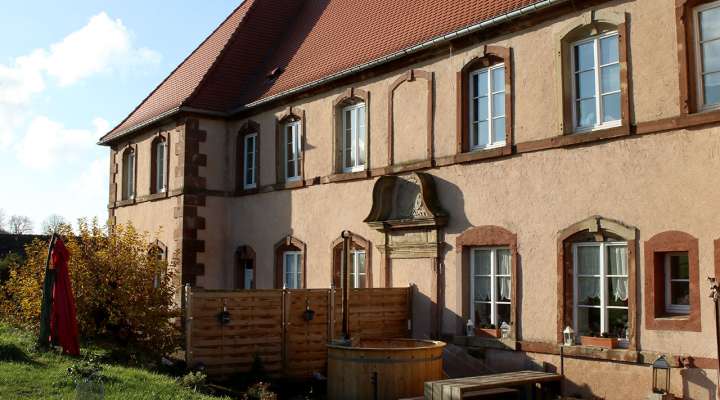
x=383 y=368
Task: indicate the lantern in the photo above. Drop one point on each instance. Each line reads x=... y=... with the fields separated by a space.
x=661 y=375
x=308 y=314
x=505 y=330
x=569 y=336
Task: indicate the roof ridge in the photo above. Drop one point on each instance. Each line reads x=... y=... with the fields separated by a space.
x=185 y=60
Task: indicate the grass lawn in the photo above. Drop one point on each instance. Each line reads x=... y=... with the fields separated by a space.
x=26 y=374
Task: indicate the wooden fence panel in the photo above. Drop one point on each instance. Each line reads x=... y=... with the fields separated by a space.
x=273 y=325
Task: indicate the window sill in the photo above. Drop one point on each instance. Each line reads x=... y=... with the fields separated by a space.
x=573 y=139
x=345 y=176
x=407 y=167
x=667 y=322
x=486 y=342
x=289 y=185
x=125 y=202
x=153 y=196
x=483 y=154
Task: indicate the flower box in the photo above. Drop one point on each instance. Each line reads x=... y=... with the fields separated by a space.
x=607 y=343
x=488 y=332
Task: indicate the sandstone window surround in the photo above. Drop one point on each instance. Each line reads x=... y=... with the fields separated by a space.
x=290 y=148
x=290 y=262
x=488 y=240
x=697 y=36
x=351 y=123
x=484 y=105
x=129 y=172
x=247 y=158
x=596 y=279
x=159 y=164
x=661 y=309
x=595 y=75
x=159 y=251
x=245 y=268
x=361 y=269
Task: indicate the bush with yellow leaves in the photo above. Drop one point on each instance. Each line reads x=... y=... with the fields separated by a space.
x=122 y=289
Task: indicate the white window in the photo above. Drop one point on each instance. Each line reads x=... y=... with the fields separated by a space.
x=160 y=160
x=487 y=107
x=677 y=283
x=292 y=270
x=707 y=51
x=596 y=82
x=490 y=286
x=353 y=143
x=292 y=151
x=249 y=161
x=248 y=273
x=600 y=295
x=358 y=272
x=128 y=191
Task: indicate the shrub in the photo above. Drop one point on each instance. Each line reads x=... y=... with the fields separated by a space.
x=260 y=391
x=194 y=381
x=113 y=275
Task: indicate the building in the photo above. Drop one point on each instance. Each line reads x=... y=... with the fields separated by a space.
x=540 y=163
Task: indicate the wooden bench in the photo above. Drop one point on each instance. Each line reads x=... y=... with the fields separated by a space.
x=537 y=385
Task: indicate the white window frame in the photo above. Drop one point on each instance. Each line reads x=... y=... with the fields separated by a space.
x=160 y=165
x=492 y=143
x=297 y=256
x=252 y=184
x=598 y=96
x=356 y=130
x=699 y=73
x=493 y=283
x=353 y=268
x=294 y=127
x=603 y=246
x=248 y=281
x=129 y=175
x=670 y=307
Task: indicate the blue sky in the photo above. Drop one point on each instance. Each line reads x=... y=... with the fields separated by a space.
x=71 y=70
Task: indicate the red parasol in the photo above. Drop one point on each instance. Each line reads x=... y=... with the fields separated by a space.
x=63 y=320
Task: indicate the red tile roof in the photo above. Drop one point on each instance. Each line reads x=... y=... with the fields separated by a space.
x=310 y=39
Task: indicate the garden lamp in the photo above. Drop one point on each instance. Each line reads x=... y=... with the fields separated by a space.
x=569 y=336
x=661 y=376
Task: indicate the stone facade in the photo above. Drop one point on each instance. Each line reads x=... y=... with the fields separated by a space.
x=652 y=174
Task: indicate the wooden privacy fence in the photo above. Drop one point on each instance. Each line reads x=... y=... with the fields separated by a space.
x=287 y=329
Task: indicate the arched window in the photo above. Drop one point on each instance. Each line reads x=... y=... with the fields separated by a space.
x=158 y=250
x=360 y=268
x=128 y=174
x=290 y=148
x=245 y=268
x=158 y=168
x=595 y=75
x=489 y=261
x=290 y=269
x=351 y=131
x=247 y=159
x=596 y=282
x=485 y=101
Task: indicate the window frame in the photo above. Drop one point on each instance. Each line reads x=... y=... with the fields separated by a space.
x=603 y=276
x=296 y=130
x=490 y=93
x=250 y=185
x=297 y=256
x=129 y=172
x=488 y=57
x=354 y=147
x=670 y=308
x=158 y=181
x=599 y=125
x=289 y=244
x=697 y=47
x=493 y=283
x=243 y=255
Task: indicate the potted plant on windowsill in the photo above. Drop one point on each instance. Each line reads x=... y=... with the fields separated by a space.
x=604 y=340
x=487 y=330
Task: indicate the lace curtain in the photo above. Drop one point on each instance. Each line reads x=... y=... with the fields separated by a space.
x=503 y=268
x=618 y=265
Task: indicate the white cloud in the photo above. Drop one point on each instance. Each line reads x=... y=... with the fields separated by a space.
x=104 y=45
x=47 y=142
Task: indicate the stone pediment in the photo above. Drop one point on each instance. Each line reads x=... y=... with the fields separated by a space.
x=406 y=202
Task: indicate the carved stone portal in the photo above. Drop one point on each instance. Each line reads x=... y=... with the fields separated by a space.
x=407 y=210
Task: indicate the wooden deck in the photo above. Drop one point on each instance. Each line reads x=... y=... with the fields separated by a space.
x=537 y=385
